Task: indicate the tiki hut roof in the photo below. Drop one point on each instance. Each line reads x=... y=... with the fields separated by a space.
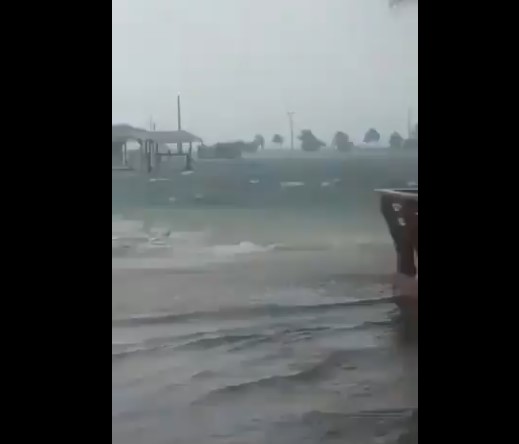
x=123 y=133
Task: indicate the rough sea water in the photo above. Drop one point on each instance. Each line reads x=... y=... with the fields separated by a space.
x=251 y=303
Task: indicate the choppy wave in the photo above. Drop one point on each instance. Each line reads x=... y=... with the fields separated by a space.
x=397 y=425
x=284 y=324
x=233 y=340
x=334 y=361
x=140 y=247
x=241 y=312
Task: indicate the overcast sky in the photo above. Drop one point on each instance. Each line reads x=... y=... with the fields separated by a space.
x=242 y=64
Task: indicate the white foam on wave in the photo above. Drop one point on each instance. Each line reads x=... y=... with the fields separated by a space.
x=292 y=184
x=240 y=248
x=135 y=232
x=166 y=257
x=164 y=248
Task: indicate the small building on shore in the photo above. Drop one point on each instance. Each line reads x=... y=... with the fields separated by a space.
x=152 y=146
x=121 y=135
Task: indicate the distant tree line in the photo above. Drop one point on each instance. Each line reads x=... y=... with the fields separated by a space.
x=309 y=142
x=341 y=141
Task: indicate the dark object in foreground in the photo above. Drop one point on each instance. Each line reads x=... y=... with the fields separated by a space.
x=400 y=210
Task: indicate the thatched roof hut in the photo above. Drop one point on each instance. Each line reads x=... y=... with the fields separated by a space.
x=124 y=133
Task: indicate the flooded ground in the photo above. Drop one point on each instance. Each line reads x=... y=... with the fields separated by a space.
x=251 y=303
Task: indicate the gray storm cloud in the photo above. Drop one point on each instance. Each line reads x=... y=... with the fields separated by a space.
x=242 y=64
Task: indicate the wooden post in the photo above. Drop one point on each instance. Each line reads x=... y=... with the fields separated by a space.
x=189 y=158
x=179 y=124
x=150 y=151
x=141 y=155
x=148 y=156
x=152 y=157
x=156 y=156
x=125 y=154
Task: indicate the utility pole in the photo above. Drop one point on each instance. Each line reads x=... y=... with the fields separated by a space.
x=179 y=115
x=409 y=122
x=153 y=125
x=179 y=122
x=291 y=123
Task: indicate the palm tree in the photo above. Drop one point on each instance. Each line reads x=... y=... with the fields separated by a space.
x=396 y=140
x=309 y=142
x=259 y=140
x=372 y=135
x=341 y=141
x=278 y=139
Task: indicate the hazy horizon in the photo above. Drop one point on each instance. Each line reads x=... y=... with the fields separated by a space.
x=240 y=65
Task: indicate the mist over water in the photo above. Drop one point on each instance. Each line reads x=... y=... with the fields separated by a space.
x=251 y=302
